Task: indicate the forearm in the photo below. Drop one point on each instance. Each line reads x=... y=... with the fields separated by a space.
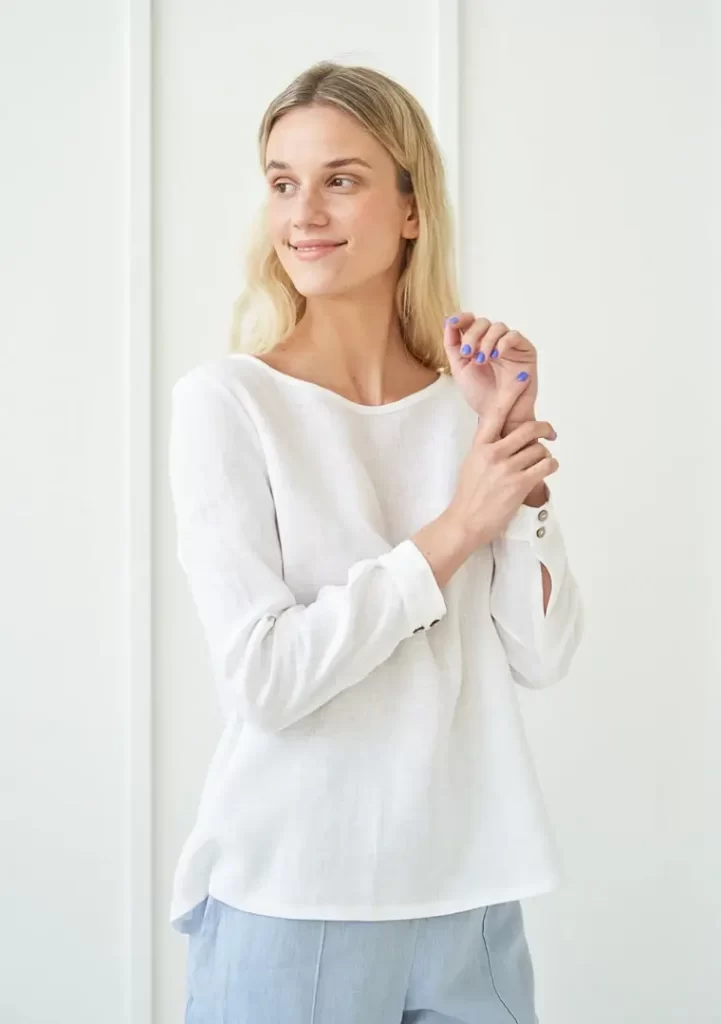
x=537 y=497
x=444 y=545
x=539 y=632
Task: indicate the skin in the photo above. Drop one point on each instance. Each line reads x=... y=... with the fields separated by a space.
x=349 y=292
x=330 y=180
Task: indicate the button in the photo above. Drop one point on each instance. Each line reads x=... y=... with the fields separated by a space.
x=435 y=621
x=419 y=629
x=541 y=531
x=543 y=515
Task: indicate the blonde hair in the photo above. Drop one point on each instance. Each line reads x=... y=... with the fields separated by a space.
x=270 y=306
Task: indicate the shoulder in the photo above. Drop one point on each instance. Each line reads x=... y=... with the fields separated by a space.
x=229 y=373
x=214 y=403
x=237 y=383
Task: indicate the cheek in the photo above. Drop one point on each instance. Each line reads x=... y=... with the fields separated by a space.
x=276 y=222
x=375 y=224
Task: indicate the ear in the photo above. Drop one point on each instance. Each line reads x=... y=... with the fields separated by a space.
x=410 y=224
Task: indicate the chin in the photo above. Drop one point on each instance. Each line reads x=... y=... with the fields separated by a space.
x=316 y=285
x=319 y=290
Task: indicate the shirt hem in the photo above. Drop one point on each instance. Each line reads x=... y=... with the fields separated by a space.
x=386 y=912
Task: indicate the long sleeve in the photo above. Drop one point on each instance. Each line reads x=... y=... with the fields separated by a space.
x=539 y=647
x=275 y=660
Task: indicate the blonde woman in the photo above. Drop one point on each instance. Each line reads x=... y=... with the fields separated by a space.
x=364 y=520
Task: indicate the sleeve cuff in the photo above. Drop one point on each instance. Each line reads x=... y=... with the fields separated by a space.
x=422 y=597
x=536 y=526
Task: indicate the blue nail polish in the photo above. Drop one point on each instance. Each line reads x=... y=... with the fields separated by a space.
x=465 y=350
x=522 y=375
x=480 y=358
x=454 y=319
x=494 y=354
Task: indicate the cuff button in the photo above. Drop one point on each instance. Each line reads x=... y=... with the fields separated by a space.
x=418 y=630
x=435 y=621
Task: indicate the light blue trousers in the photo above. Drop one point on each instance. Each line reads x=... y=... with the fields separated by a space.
x=467 y=968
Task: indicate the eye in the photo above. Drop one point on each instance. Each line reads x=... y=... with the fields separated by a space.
x=284 y=188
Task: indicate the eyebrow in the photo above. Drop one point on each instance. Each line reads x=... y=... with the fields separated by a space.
x=342 y=161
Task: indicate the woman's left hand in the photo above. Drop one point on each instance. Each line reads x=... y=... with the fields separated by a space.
x=489 y=361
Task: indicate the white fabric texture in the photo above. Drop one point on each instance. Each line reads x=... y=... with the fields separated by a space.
x=373 y=763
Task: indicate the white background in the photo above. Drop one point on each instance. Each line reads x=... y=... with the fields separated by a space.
x=581 y=143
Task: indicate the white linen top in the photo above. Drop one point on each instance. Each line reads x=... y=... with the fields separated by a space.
x=373 y=763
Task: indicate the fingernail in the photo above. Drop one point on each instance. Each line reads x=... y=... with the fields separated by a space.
x=480 y=358
x=522 y=375
x=454 y=319
x=494 y=354
x=465 y=350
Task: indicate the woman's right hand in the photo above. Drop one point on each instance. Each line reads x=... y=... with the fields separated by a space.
x=495 y=478
x=497 y=475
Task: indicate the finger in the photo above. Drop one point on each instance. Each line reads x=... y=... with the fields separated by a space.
x=527 y=433
x=490 y=346
x=453 y=337
x=537 y=474
x=528 y=456
x=512 y=342
x=473 y=339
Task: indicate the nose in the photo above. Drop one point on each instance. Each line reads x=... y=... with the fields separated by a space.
x=309 y=209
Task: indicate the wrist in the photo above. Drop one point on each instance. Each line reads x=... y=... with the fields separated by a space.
x=439 y=543
x=459 y=541
x=538 y=496
x=512 y=424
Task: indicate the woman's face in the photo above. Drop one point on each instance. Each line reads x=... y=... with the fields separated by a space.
x=332 y=183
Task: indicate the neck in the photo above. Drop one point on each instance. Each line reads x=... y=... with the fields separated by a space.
x=356 y=345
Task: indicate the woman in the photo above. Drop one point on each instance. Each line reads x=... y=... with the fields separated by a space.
x=363 y=517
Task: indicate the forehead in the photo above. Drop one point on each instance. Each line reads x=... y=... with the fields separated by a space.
x=309 y=136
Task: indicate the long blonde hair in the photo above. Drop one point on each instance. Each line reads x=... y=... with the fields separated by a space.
x=270 y=306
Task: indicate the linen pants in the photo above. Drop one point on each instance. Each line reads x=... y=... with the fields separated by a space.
x=472 y=967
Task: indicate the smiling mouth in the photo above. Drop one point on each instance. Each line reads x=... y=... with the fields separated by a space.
x=315 y=248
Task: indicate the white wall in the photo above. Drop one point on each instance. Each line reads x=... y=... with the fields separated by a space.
x=585 y=181
x=64 y=942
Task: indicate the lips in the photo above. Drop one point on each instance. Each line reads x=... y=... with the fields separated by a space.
x=315 y=246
